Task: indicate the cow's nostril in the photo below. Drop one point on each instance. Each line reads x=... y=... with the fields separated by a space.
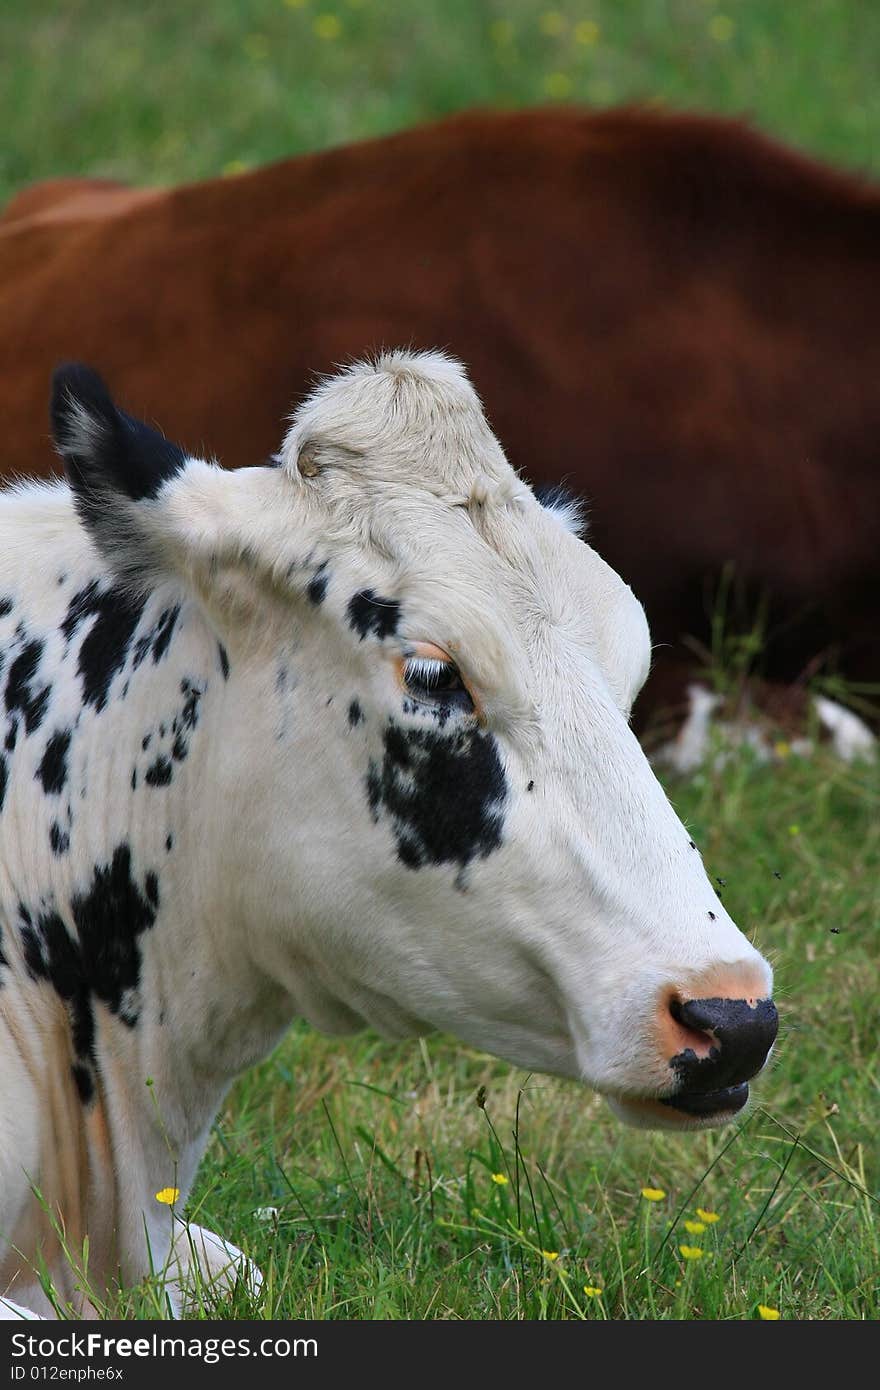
x=689 y=1034
x=741 y=1033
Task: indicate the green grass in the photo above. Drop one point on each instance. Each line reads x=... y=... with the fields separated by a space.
x=378 y=1159
x=151 y=91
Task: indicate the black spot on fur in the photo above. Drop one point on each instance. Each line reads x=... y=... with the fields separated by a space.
x=103 y=652
x=84 y=1081
x=4 y=779
x=81 y=606
x=158 y=638
x=164 y=632
x=145 y=741
x=317 y=586
x=355 y=714
x=104 y=649
x=440 y=713
x=224 y=660
x=186 y=720
x=444 y=794
x=134 y=779
x=58 y=839
x=368 y=612
x=102 y=960
x=160 y=772
x=6 y=607
x=530 y=787
x=22 y=691
x=52 y=771
x=11 y=736
x=169 y=841
x=52 y=954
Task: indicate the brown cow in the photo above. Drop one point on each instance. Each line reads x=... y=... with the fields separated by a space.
x=672 y=313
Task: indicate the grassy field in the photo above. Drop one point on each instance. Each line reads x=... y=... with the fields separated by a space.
x=154 y=92
x=364 y=1177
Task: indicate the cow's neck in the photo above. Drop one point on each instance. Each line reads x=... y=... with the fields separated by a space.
x=207 y=1011
x=186 y=1009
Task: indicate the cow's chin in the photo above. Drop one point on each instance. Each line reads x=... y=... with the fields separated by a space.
x=658 y=1114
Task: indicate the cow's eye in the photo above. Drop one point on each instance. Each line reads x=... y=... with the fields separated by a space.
x=429 y=678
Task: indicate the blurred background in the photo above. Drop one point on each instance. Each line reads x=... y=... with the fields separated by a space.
x=154 y=92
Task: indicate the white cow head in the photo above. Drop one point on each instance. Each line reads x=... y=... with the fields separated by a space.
x=429 y=809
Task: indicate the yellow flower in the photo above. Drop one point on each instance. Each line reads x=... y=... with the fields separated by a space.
x=557 y=84
x=710 y=1217
x=550 y=1254
x=235 y=166
x=587 y=32
x=794 y=830
x=782 y=749
x=721 y=28
x=691 y=1252
x=653 y=1194
x=327 y=26
x=768 y=1314
x=501 y=1179
x=695 y=1228
x=168 y=1196
x=552 y=23
x=592 y=1291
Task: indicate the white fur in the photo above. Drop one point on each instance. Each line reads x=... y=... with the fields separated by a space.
x=284 y=895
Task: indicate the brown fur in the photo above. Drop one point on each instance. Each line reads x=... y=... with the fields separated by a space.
x=673 y=313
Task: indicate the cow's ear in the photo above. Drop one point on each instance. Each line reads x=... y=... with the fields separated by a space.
x=112 y=462
x=156 y=513
x=103 y=448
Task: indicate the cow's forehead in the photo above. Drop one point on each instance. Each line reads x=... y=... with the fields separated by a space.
x=399 y=454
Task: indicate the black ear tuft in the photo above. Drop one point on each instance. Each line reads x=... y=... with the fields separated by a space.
x=567 y=506
x=104 y=450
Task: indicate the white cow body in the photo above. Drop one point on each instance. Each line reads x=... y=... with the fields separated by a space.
x=343 y=739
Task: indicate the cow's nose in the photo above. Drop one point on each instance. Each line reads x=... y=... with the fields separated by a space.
x=741 y=1031
x=725 y=1043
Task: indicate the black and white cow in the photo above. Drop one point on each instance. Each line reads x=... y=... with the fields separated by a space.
x=343 y=738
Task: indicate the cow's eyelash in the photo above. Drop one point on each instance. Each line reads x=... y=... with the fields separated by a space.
x=426 y=670
x=429 y=678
